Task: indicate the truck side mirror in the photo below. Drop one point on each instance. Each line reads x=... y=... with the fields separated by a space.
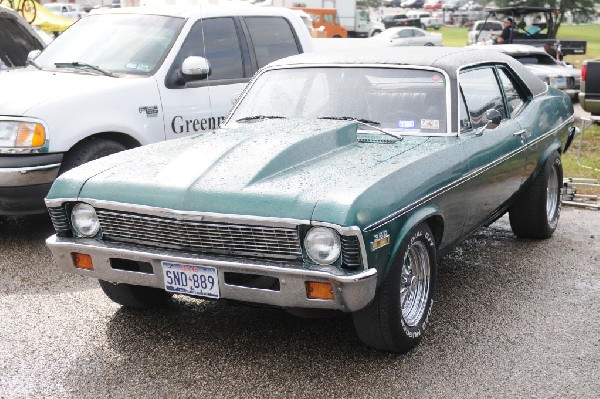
x=195 y=68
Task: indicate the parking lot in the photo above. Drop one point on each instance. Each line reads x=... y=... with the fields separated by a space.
x=512 y=318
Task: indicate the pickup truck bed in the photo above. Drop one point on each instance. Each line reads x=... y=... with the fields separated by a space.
x=589 y=95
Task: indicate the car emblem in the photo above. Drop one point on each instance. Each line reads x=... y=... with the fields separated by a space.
x=381 y=239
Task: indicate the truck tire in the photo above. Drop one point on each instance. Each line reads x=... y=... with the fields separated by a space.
x=398 y=316
x=89 y=150
x=536 y=213
x=135 y=296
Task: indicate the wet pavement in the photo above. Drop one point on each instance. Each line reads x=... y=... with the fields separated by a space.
x=512 y=318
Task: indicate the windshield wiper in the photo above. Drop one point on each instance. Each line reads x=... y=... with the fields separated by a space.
x=258 y=117
x=364 y=122
x=84 y=65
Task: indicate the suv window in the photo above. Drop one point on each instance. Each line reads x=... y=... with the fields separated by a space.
x=481 y=91
x=272 y=37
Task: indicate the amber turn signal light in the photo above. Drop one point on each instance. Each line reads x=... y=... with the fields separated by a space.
x=318 y=290
x=82 y=261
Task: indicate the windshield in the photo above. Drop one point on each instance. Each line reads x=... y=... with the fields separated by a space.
x=116 y=43
x=394 y=99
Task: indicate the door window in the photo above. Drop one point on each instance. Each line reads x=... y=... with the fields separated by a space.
x=272 y=38
x=515 y=99
x=482 y=93
x=223 y=48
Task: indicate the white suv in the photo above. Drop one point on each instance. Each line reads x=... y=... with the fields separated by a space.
x=482 y=31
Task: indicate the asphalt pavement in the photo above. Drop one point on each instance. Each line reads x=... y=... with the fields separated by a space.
x=512 y=318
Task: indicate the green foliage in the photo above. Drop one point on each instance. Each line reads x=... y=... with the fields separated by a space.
x=582 y=10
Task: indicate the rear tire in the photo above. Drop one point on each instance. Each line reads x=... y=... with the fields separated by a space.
x=398 y=316
x=536 y=213
x=90 y=150
x=135 y=296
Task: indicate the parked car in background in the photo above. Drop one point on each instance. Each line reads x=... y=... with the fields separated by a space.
x=17 y=40
x=392 y=20
x=68 y=10
x=433 y=5
x=484 y=30
x=408 y=36
x=589 y=96
x=337 y=182
x=555 y=73
x=132 y=76
x=413 y=3
x=427 y=19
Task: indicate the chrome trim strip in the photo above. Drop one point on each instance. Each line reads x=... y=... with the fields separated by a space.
x=462 y=180
x=28 y=176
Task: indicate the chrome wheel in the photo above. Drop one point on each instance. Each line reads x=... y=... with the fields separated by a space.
x=414 y=287
x=552 y=195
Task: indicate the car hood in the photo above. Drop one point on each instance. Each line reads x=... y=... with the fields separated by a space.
x=553 y=70
x=17 y=39
x=304 y=170
x=31 y=87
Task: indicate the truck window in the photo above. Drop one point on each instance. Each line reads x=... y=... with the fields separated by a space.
x=223 y=48
x=272 y=38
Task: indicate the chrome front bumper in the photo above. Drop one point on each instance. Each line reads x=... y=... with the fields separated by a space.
x=352 y=291
x=28 y=176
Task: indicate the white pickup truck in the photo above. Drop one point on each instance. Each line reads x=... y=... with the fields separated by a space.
x=128 y=77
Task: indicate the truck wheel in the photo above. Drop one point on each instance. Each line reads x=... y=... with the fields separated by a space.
x=429 y=44
x=375 y=33
x=88 y=151
x=397 y=318
x=135 y=296
x=536 y=213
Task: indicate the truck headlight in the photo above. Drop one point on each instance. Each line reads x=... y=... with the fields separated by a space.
x=322 y=245
x=22 y=134
x=84 y=220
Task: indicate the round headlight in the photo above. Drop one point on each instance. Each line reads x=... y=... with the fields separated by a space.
x=323 y=245
x=84 y=220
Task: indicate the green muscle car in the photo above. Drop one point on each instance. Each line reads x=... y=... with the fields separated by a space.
x=337 y=182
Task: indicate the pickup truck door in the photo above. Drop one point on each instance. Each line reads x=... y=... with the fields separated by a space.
x=235 y=48
x=497 y=157
x=201 y=105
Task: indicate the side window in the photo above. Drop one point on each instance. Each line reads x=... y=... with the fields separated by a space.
x=417 y=33
x=272 y=38
x=223 y=48
x=514 y=98
x=405 y=33
x=465 y=121
x=328 y=18
x=482 y=93
x=219 y=37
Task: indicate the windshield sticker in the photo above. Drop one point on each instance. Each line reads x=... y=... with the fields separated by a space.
x=138 y=67
x=430 y=124
x=407 y=124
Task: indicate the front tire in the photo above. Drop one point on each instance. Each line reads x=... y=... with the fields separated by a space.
x=90 y=150
x=536 y=213
x=398 y=316
x=135 y=296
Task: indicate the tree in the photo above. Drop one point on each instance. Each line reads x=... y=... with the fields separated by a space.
x=582 y=10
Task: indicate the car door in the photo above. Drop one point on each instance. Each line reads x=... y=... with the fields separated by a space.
x=200 y=105
x=497 y=157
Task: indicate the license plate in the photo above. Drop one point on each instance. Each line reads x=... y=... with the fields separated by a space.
x=559 y=83
x=191 y=279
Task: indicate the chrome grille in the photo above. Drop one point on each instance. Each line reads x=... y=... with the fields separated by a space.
x=350 y=252
x=60 y=221
x=199 y=236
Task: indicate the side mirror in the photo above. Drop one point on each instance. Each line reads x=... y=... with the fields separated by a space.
x=493 y=118
x=32 y=55
x=195 y=68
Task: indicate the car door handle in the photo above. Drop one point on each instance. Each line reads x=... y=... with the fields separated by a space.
x=520 y=132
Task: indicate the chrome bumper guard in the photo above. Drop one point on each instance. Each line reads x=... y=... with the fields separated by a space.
x=352 y=291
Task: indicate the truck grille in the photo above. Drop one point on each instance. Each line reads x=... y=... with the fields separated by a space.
x=199 y=236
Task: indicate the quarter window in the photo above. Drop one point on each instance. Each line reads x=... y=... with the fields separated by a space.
x=514 y=98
